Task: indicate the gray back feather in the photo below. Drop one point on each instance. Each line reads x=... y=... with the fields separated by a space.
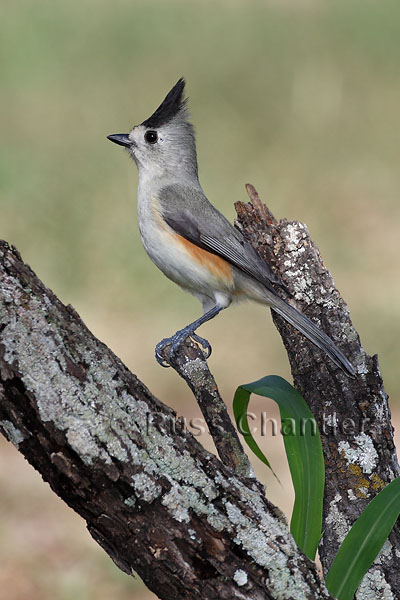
x=188 y=212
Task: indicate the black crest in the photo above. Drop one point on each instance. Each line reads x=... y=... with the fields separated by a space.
x=173 y=102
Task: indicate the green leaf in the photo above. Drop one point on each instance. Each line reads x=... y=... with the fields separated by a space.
x=240 y=404
x=363 y=542
x=303 y=450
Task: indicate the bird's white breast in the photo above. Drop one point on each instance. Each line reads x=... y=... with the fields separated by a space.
x=169 y=252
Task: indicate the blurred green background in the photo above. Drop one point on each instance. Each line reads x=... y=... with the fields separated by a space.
x=299 y=97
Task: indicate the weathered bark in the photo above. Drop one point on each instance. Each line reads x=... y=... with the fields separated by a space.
x=353 y=414
x=152 y=497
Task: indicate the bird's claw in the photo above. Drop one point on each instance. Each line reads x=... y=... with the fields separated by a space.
x=205 y=344
x=159 y=348
x=175 y=342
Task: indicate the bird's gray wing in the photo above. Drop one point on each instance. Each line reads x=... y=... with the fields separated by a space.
x=188 y=212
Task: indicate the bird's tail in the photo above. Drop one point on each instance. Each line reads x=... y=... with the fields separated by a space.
x=313 y=333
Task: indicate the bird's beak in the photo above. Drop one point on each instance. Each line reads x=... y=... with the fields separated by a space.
x=122 y=139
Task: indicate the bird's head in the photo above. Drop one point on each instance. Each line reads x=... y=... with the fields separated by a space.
x=164 y=143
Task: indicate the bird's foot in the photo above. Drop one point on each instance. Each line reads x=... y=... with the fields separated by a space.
x=159 y=352
x=176 y=341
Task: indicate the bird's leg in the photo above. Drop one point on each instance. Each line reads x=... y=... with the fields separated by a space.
x=189 y=331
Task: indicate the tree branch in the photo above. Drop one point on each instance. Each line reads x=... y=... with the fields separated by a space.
x=152 y=497
x=191 y=365
x=353 y=414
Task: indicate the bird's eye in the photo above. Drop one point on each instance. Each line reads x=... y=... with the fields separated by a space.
x=151 y=136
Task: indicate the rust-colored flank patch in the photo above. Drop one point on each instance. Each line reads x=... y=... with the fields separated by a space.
x=218 y=266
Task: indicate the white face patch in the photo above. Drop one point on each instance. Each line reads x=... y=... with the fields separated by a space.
x=172 y=155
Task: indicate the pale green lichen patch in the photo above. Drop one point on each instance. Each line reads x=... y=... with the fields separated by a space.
x=14 y=435
x=181 y=498
x=301 y=283
x=131 y=501
x=259 y=544
x=385 y=553
x=253 y=499
x=373 y=586
x=83 y=442
x=336 y=519
x=362 y=454
x=351 y=495
x=240 y=577
x=258 y=541
x=115 y=449
x=217 y=520
x=295 y=232
x=178 y=466
x=177 y=503
x=146 y=488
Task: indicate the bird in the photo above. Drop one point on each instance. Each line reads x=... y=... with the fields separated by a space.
x=190 y=240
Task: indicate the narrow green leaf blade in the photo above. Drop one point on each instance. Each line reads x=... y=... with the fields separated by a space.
x=303 y=450
x=363 y=542
x=240 y=404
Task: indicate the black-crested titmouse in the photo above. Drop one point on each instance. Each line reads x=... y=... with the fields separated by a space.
x=189 y=239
